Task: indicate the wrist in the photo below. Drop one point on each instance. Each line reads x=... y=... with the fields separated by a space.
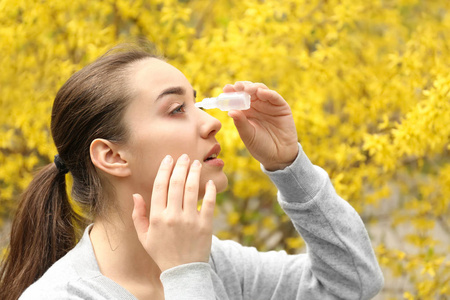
x=276 y=166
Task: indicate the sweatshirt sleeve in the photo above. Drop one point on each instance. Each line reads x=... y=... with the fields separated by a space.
x=340 y=262
x=189 y=281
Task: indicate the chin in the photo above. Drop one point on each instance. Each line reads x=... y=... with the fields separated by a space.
x=221 y=184
x=220 y=181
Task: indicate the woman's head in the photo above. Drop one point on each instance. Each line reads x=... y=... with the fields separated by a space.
x=161 y=120
x=118 y=117
x=112 y=123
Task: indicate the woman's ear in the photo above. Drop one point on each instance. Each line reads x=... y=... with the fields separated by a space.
x=108 y=157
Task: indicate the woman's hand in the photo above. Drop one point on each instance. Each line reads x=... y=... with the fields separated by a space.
x=176 y=232
x=267 y=128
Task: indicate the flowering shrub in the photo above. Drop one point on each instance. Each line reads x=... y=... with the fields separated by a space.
x=368 y=82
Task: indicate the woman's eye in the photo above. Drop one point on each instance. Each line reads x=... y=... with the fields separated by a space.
x=180 y=109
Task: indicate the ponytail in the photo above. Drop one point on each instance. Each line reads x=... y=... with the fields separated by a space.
x=43 y=230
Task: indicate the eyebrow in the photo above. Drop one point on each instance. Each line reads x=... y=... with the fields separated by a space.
x=177 y=90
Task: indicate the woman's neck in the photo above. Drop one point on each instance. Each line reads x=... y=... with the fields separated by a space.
x=122 y=258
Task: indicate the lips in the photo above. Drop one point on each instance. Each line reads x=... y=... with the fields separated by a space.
x=213 y=153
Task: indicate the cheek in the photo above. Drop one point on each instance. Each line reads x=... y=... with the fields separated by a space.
x=148 y=151
x=173 y=139
x=180 y=138
x=143 y=175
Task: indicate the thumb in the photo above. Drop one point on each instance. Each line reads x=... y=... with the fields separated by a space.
x=245 y=129
x=140 y=219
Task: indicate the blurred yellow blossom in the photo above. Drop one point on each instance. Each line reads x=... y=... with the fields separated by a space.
x=367 y=80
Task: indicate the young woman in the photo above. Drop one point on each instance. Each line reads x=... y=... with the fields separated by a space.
x=141 y=155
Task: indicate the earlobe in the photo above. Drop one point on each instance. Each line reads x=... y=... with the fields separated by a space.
x=107 y=157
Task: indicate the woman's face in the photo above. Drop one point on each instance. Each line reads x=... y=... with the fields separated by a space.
x=163 y=120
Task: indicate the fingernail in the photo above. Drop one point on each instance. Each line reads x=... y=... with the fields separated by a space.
x=196 y=163
x=184 y=157
x=167 y=160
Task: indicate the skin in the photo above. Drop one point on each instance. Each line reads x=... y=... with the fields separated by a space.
x=160 y=174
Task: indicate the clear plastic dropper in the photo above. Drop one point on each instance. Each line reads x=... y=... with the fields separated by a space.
x=227 y=101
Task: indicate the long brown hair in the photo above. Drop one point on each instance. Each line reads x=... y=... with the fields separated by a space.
x=89 y=105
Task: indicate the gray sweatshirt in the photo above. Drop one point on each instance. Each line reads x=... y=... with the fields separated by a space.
x=339 y=263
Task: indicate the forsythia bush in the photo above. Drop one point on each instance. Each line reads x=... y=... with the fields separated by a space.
x=368 y=82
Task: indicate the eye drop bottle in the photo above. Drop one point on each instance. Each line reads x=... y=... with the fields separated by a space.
x=227 y=101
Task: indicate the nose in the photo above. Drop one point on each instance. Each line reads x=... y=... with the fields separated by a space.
x=209 y=125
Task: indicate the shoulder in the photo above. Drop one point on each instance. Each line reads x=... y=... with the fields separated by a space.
x=69 y=276
x=54 y=284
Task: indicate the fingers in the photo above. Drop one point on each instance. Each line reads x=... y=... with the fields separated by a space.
x=270 y=96
x=240 y=86
x=177 y=183
x=160 y=186
x=245 y=129
x=256 y=90
x=139 y=216
x=209 y=202
x=245 y=86
x=176 y=187
x=229 y=88
x=192 y=187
